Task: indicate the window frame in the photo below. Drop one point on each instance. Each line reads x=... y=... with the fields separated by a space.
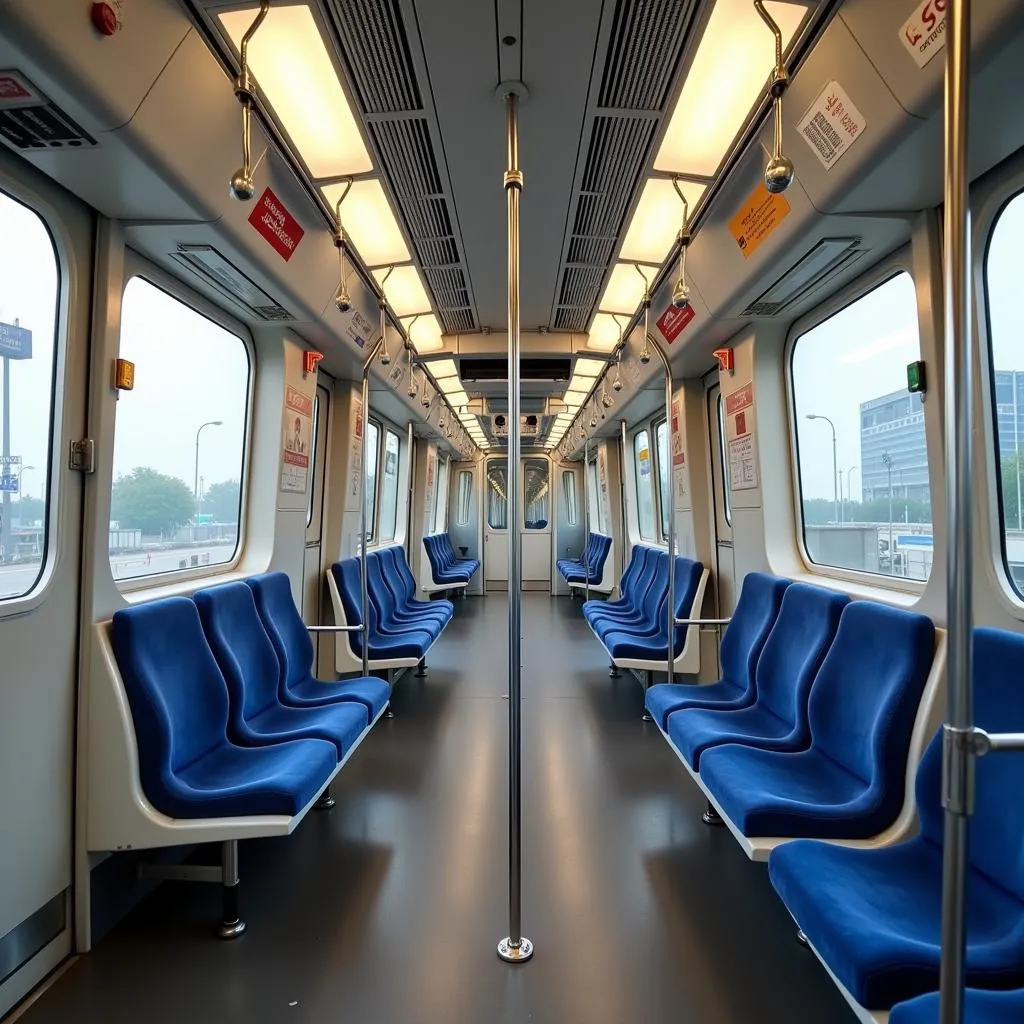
x=571 y=503
x=723 y=454
x=441 y=511
x=661 y=512
x=136 y=265
x=874 y=277
x=464 y=474
x=645 y=428
x=381 y=459
x=371 y=540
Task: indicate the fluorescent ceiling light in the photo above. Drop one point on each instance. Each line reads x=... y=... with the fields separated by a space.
x=458 y=398
x=449 y=385
x=588 y=367
x=575 y=396
x=731 y=68
x=369 y=222
x=580 y=383
x=442 y=368
x=404 y=290
x=296 y=75
x=424 y=334
x=657 y=220
x=604 y=333
x=625 y=290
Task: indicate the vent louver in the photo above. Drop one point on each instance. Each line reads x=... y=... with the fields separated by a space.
x=218 y=271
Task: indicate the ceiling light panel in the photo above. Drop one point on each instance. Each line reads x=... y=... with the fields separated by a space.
x=588 y=367
x=369 y=222
x=657 y=220
x=733 y=63
x=297 y=76
x=424 y=333
x=442 y=369
x=604 y=333
x=403 y=290
x=625 y=289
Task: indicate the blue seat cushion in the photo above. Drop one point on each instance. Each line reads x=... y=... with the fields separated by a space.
x=980 y=1007
x=695 y=730
x=369 y=691
x=664 y=698
x=231 y=781
x=875 y=916
x=340 y=724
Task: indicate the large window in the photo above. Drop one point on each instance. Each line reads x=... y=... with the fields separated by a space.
x=389 y=487
x=661 y=437
x=569 y=484
x=593 y=499
x=724 y=456
x=465 y=494
x=644 y=491
x=1002 y=282
x=179 y=441
x=497 y=495
x=860 y=434
x=535 y=494
x=441 y=498
x=29 y=291
x=372 y=452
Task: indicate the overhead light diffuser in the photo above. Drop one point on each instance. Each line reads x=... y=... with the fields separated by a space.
x=657 y=220
x=625 y=290
x=730 y=70
x=296 y=75
x=442 y=368
x=369 y=222
x=424 y=334
x=604 y=333
x=404 y=290
x=588 y=367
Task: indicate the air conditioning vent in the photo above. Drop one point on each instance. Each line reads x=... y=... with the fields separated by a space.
x=569 y=319
x=217 y=270
x=489 y=368
x=827 y=258
x=29 y=121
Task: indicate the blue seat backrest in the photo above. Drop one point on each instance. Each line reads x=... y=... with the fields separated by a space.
x=394 y=561
x=996 y=848
x=601 y=549
x=654 y=597
x=866 y=695
x=688 y=577
x=796 y=647
x=377 y=589
x=242 y=648
x=752 y=620
x=346 y=575
x=272 y=592
x=177 y=694
x=637 y=563
x=646 y=580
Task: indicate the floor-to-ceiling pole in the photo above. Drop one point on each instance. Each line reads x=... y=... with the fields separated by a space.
x=586 y=513
x=365 y=425
x=515 y=948
x=958 y=760
x=671 y=519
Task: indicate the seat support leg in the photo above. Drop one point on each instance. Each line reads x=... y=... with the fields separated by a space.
x=390 y=680
x=711 y=816
x=613 y=670
x=421 y=668
x=648 y=681
x=231 y=925
x=802 y=939
x=326 y=801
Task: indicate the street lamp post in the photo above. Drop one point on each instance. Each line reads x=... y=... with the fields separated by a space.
x=21 y=473
x=849 y=481
x=195 y=483
x=835 y=467
x=887 y=461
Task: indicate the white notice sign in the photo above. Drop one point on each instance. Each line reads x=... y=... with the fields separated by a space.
x=742 y=464
x=831 y=125
x=924 y=32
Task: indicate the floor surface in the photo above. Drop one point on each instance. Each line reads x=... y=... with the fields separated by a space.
x=389 y=908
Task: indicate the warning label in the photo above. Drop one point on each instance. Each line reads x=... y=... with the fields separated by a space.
x=831 y=125
x=673 y=321
x=924 y=33
x=757 y=218
x=270 y=218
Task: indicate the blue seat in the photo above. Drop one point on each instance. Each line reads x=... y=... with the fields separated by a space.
x=792 y=654
x=391 y=620
x=874 y=915
x=179 y=703
x=745 y=636
x=283 y=623
x=649 y=613
x=247 y=659
x=403 y=585
x=980 y=1007
x=443 y=571
x=452 y=560
x=627 y=584
x=849 y=784
x=602 y=615
x=590 y=566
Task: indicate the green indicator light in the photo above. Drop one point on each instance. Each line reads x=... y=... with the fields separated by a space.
x=916 y=377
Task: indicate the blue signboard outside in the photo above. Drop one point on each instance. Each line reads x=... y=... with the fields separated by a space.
x=15 y=342
x=8 y=483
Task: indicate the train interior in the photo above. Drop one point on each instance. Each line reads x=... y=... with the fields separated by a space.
x=676 y=340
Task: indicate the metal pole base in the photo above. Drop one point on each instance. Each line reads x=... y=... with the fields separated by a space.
x=518 y=954
x=421 y=669
x=231 y=929
x=326 y=802
x=802 y=939
x=389 y=713
x=711 y=817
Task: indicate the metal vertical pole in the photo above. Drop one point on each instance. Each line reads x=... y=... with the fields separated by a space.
x=1016 y=448
x=363 y=587
x=5 y=527
x=515 y=948
x=586 y=513
x=670 y=676
x=958 y=763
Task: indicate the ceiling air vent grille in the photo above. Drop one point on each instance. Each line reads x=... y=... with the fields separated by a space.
x=591 y=252
x=646 y=39
x=579 y=285
x=437 y=252
x=374 y=40
x=457 y=321
x=567 y=319
x=405 y=148
x=449 y=287
x=219 y=272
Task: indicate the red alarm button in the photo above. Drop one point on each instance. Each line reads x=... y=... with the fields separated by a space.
x=104 y=19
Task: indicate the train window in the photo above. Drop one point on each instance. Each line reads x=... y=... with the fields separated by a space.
x=441 y=500
x=593 y=504
x=644 y=494
x=1002 y=276
x=465 y=493
x=179 y=439
x=389 y=487
x=726 y=499
x=569 y=486
x=497 y=495
x=661 y=437
x=372 y=454
x=535 y=494
x=854 y=415
x=29 y=292
x=313 y=459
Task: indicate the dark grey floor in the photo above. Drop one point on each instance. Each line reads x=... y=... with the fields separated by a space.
x=388 y=908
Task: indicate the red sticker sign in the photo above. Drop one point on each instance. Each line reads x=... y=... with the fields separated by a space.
x=740 y=399
x=276 y=224
x=672 y=322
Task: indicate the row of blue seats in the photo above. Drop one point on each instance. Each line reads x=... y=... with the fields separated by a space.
x=229 y=720
x=634 y=628
x=589 y=568
x=447 y=570
x=400 y=626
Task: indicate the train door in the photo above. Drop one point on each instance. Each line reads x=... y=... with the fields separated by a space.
x=725 y=574
x=313 y=568
x=45 y=282
x=496 y=524
x=536 y=525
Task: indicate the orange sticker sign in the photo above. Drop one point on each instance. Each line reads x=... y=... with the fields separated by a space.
x=757 y=218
